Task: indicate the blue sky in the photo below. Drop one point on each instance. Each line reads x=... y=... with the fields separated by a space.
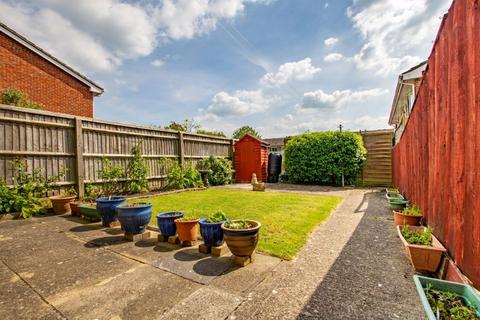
x=282 y=66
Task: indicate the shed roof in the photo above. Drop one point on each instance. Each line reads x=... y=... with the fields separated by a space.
x=95 y=88
x=264 y=143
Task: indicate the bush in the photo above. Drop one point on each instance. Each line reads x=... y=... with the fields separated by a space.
x=28 y=188
x=211 y=133
x=323 y=157
x=137 y=171
x=219 y=170
x=17 y=98
x=240 y=132
x=110 y=175
x=181 y=178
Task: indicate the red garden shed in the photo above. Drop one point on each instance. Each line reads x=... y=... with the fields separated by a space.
x=251 y=156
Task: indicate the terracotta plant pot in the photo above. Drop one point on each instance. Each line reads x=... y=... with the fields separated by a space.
x=401 y=219
x=61 y=204
x=74 y=208
x=187 y=230
x=423 y=258
x=242 y=242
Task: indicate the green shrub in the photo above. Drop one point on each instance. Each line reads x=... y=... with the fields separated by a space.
x=110 y=175
x=219 y=170
x=137 y=171
x=28 y=188
x=211 y=133
x=181 y=178
x=17 y=98
x=322 y=157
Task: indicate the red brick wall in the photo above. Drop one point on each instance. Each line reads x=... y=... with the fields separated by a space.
x=43 y=82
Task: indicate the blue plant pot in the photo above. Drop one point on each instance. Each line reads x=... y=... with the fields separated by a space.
x=212 y=233
x=107 y=208
x=166 y=223
x=134 y=219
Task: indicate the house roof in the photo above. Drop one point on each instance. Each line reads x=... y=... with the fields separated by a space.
x=95 y=88
x=413 y=73
x=276 y=141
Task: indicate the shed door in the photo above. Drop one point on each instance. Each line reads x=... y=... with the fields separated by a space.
x=248 y=161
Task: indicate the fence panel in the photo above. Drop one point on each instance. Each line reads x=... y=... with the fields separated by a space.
x=377 y=170
x=53 y=142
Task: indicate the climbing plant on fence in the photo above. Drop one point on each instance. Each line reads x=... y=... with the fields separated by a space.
x=323 y=157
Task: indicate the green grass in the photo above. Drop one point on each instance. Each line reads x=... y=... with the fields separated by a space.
x=287 y=218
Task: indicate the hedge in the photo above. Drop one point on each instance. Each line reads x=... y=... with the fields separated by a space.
x=322 y=157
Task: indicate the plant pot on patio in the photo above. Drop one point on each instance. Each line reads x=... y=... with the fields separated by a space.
x=211 y=229
x=61 y=204
x=89 y=211
x=455 y=298
x=134 y=217
x=75 y=208
x=397 y=204
x=187 y=229
x=107 y=206
x=394 y=196
x=408 y=216
x=241 y=236
x=422 y=248
x=166 y=223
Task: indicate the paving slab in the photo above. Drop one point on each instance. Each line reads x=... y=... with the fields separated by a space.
x=207 y=303
x=193 y=265
x=143 y=292
x=19 y=301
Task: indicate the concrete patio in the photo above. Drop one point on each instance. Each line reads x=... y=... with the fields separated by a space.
x=353 y=267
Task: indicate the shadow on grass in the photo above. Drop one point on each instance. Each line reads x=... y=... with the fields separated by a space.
x=371 y=278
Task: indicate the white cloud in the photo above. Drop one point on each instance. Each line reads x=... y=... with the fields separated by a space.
x=157 y=63
x=99 y=35
x=299 y=70
x=241 y=103
x=330 y=42
x=332 y=57
x=322 y=100
x=395 y=32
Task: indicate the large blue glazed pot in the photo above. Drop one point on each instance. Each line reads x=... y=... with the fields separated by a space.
x=212 y=233
x=134 y=218
x=107 y=208
x=166 y=223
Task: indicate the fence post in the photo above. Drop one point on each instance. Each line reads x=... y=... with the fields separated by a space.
x=181 y=151
x=230 y=152
x=80 y=165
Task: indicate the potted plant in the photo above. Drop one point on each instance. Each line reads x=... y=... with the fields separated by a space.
x=134 y=217
x=447 y=300
x=61 y=203
x=108 y=204
x=423 y=249
x=166 y=223
x=187 y=229
x=89 y=211
x=241 y=236
x=211 y=229
x=409 y=216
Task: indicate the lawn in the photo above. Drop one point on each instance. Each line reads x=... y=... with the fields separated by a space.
x=287 y=218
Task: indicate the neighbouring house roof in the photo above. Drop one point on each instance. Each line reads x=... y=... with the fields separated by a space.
x=275 y=141
x=406 y=78
x=95 y=88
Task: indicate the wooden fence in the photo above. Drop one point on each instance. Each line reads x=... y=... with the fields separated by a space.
x=54 y=141
x=377 y=170
x=436 y=161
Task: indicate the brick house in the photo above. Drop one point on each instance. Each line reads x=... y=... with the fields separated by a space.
x=42 y=77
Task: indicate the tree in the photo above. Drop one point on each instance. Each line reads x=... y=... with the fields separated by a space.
x=211 y=133
x=240 y=132
x=186 y=126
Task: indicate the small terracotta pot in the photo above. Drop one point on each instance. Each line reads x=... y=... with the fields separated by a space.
x=61 y=204
x=401 y=219
x=423 y=258
x=74 y=208
x=187 y=230
x=242 y=242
